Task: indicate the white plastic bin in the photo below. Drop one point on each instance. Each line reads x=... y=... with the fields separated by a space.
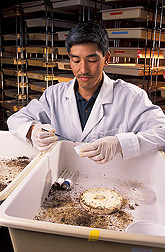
x=28 y=235
x=12 y=147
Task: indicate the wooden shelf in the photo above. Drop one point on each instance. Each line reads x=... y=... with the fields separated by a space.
x=14 y=49
x=64 y=65
x=65 y=77
x=11 y=51
x=38 y=86
x=42 y=36
x=12 y=36
x=40 y=62
x=13 y=82
x=14 y=105
x=40 y=49
x=135 y=52
x=62 y=51
x=35 y=6
x=13 y=72
x=12 y=93
x=162 y=89
x=11 y=11
x=144 y=83
x=131 y=69
x=12 y=61
x=40 y=75
x=34 y=96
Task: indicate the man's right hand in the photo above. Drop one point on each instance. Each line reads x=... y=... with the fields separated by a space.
x=43 y=140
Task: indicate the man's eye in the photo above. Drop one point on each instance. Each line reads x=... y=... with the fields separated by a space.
x=92 y=60
x=76 y=61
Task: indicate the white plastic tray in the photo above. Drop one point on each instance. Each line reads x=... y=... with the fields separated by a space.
x=41 y=22
x=12 y=147
x=72 y=5
x=138 y=13
x=125 y=13
x=18 y=210
x=134 y=52
x=132 y=33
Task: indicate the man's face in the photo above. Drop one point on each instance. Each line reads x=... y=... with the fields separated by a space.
x=87 y=63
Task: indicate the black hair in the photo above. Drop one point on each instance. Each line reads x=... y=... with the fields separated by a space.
x=88 y=32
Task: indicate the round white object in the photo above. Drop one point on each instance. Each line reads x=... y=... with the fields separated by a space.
x=101 y=200
x=146 y=227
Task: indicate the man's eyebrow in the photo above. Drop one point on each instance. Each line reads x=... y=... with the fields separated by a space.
x=72 y=55
x=92 y=55
x=88 y=56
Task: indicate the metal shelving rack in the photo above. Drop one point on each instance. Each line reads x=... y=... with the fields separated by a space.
x=41 y=31
x=156 y=46
x=140 y=64
x=56 y=30
x=45 y=72
x=13 y=55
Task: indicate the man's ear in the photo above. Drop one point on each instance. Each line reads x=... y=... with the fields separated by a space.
x=107 y=58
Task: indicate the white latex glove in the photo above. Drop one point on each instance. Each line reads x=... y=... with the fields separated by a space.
x=102 y=150
x=43 y=140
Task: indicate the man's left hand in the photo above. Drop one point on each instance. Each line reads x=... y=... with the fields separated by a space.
x=102 y=150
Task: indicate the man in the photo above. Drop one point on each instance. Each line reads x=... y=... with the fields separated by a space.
x=111 y=116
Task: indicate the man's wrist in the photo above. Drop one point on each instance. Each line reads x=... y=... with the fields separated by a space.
x=30 y=132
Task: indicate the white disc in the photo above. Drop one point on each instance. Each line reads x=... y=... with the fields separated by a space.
x=101 y=200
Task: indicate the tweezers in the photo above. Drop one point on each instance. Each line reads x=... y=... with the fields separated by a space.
x=59 y=135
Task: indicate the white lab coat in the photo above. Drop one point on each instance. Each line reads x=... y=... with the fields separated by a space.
x=121 y=109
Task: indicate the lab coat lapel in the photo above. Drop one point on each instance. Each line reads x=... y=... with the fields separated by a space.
x=105 y=96
x=71 y=107
x=95 y=116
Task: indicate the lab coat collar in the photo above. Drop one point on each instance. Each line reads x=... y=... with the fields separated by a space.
x=71 y=106
x=106 y=91
x=105 y=96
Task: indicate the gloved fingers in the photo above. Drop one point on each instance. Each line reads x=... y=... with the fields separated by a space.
x=100 y=160
x=47 y=140
x=47 y=127
x=43 y=139
x=52 y=130
x=44 y=134
x=44 y=148
x=89 y=150
x=97 y=158
x=88 y=147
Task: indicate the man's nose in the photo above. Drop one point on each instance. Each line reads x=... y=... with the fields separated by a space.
x=84 y=67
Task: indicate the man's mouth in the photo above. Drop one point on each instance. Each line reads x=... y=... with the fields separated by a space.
x=84 y=77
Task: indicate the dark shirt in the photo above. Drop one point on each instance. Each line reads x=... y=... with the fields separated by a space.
x=84 y=106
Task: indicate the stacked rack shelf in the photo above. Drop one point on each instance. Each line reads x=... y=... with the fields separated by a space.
x=48 y=23
x=137 y=43
x=12 y=60
x=33 y=53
